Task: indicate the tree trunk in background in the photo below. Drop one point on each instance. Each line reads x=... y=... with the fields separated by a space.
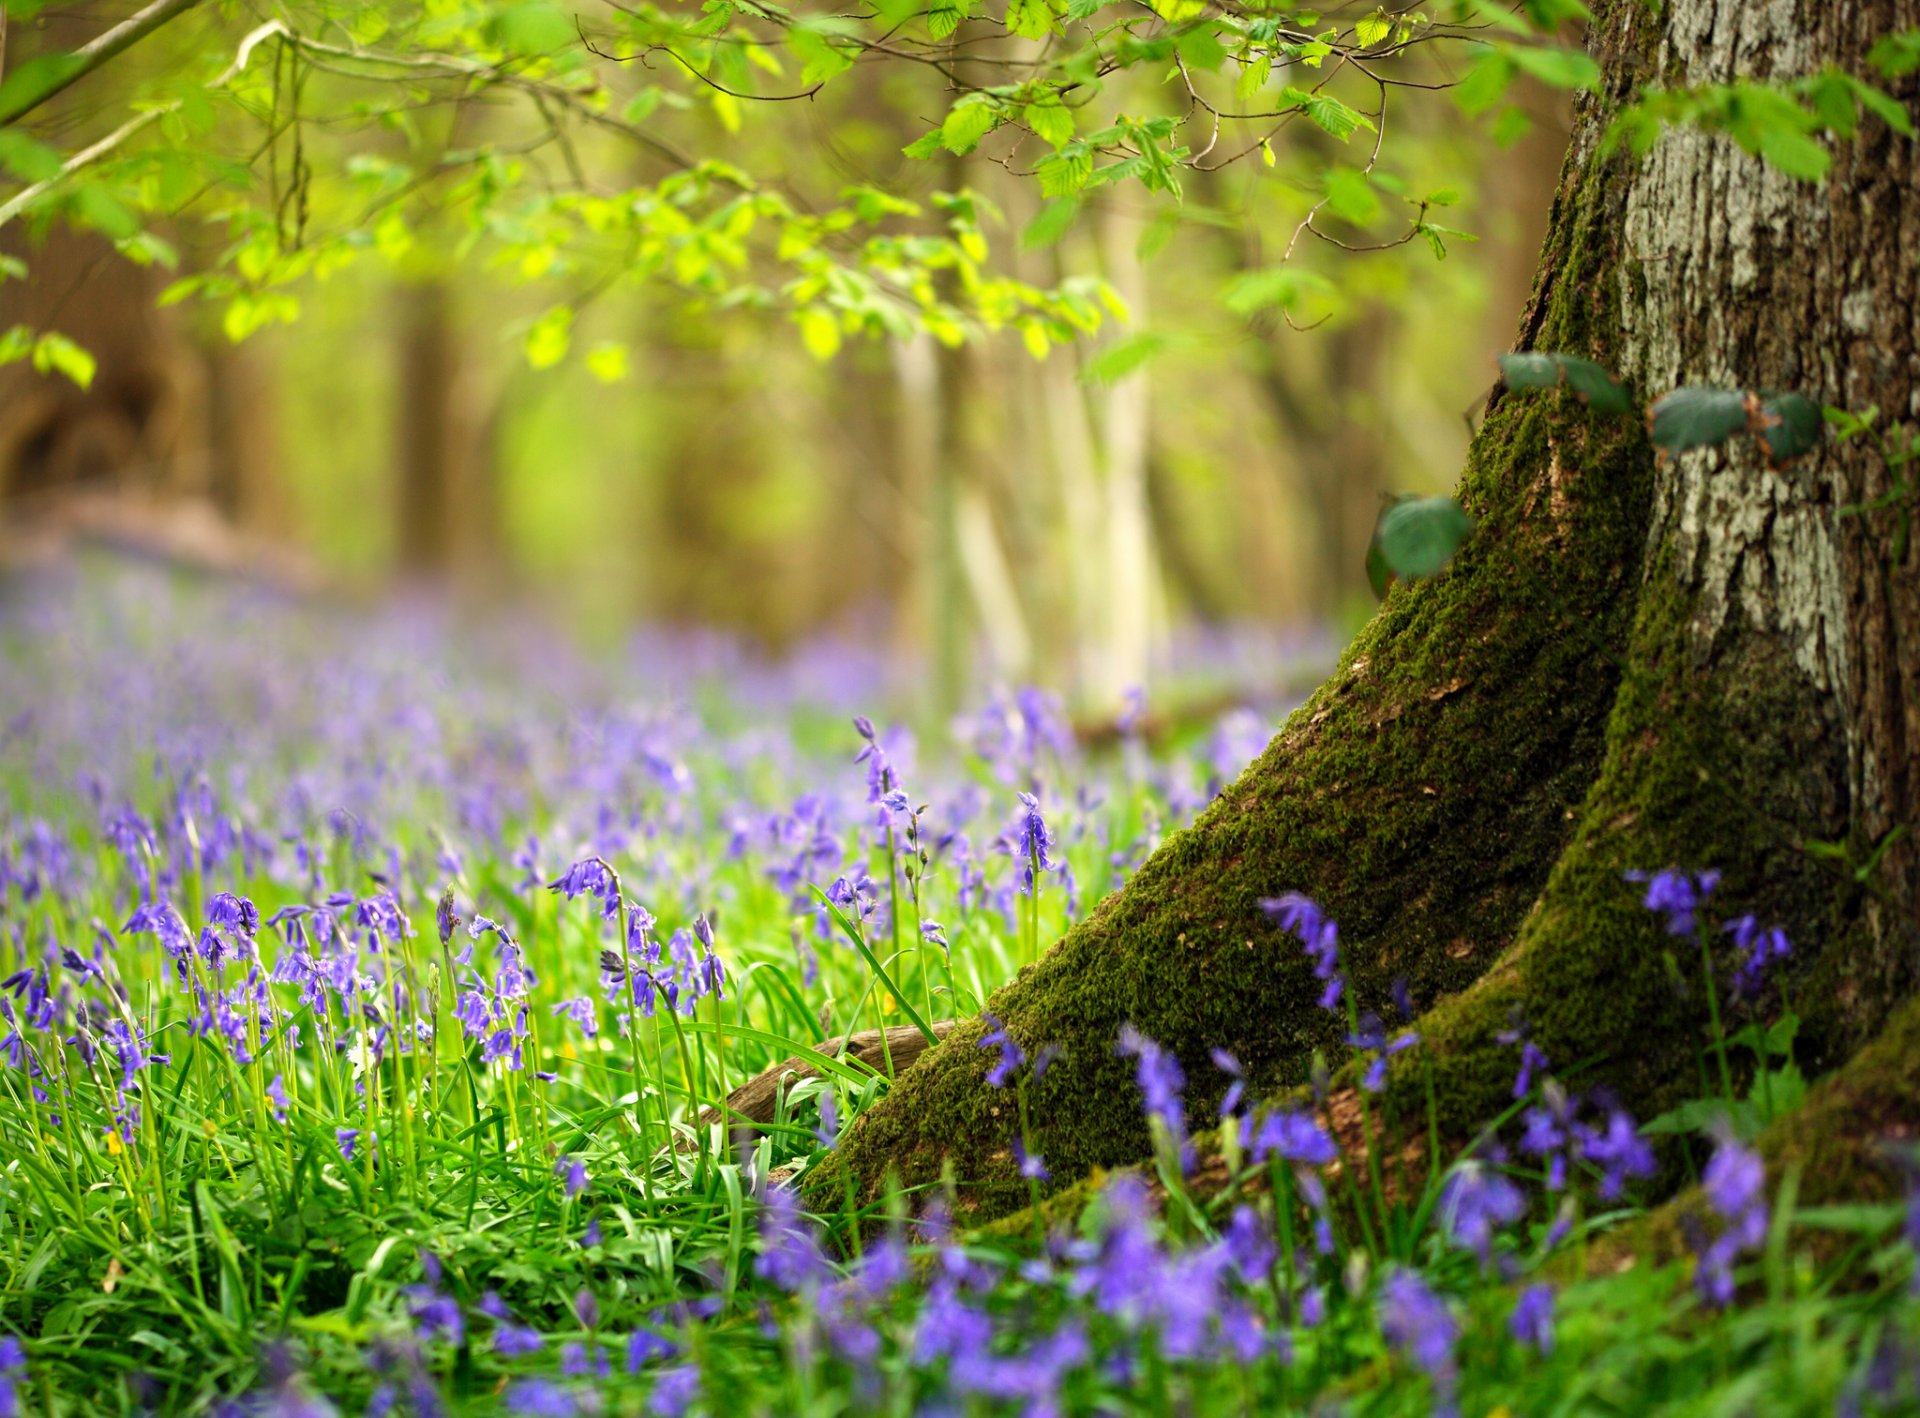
x=1631 y=665
x=431 y=440
x=1126 y=430
x=241 y=429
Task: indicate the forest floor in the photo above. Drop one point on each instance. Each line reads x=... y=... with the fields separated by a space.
x=362 y=981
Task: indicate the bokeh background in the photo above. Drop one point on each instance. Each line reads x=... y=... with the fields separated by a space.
x=1195 y=482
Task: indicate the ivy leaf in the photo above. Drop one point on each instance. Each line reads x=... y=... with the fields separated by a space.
x=1587 y=381
x=1694 y=416
x=1420 y=535
x=1790 y=426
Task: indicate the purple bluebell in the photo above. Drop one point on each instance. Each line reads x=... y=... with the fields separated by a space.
x=1372 y=1038
x=1033 y=843
x=828 y=1132
x=1420 y=1327
x=790 y=1254
x=1764 y=947
x=1476 y=1202
x=1532 y=1320
x=1734 y=1183
x=1161 y=1080
x=1031 y=1164
x=1677 y=895
x=1236 y=1090
x=277 y=1095
x=539 y=1398
x=572 y=1172
x=674 y=1391
x=1292 y=1135
x=1319 y=936
x=1011 y=1054
x=1617 y=1149
x=644 y=1346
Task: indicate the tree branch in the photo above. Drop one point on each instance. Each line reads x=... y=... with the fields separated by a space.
x=90 y=56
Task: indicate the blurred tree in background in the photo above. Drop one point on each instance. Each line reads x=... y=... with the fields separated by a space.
x=540 y=259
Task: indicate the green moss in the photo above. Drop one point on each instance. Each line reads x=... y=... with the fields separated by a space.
x=1421 y=796
x=1720 y=761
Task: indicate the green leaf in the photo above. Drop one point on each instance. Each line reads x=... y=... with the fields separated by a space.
x=54 y=352
x=1051 y=121
x=1696 y=1115
x=608 y=361
x=1116 y=360
x=535 y=29
x=1791 y=425
x=1557 y=68
x=1586 y=380
x=1056 y=219
x=1696 y=417
x=1486 y=83
x=1351 y=198
x=1420 y=535
x=550 y=337
x=819 y=332
x=925 y=146
x=944 y=17
x=1327 y=112
x=1284 y=286
x=1373 y=28
x=970 y=120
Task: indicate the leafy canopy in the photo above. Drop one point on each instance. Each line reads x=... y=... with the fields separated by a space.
x=660 y=141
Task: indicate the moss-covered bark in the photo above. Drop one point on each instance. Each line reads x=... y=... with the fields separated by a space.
x=1421 y=794
x=1629 y=666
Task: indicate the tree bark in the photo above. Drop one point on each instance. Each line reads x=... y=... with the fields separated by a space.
x=1632 y=664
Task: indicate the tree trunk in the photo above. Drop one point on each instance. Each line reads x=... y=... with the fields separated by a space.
x=1630 y=665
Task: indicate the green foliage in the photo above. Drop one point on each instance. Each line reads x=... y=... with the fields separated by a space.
x=1779 y=123
x=1787 y=426
x=1587 y=381
x=1418 y=536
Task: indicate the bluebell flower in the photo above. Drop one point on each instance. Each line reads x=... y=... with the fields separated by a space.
x=1734 y=1182
x=674 y=1391
x=1319 y=936
x=1618 y=1150
x=1420 y=1327
x=1677 y=895
x=277 y=1095
x=828 y=1133
x=1532 y=1320
x=1372 y=1037
x=573 y=1174
x=1033 y=843
x=1011 y=1054
x=790 y=1254
x=581 y=1011
x=1237 y=1089
x=1032 y=1166
x=1292 y=1135
x=1764 y=947
x=516 y=1341
x=1476 y=1202
x=644 y=1346
x=346 y=1139
x=1161 y=1080
x=539 y=1398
